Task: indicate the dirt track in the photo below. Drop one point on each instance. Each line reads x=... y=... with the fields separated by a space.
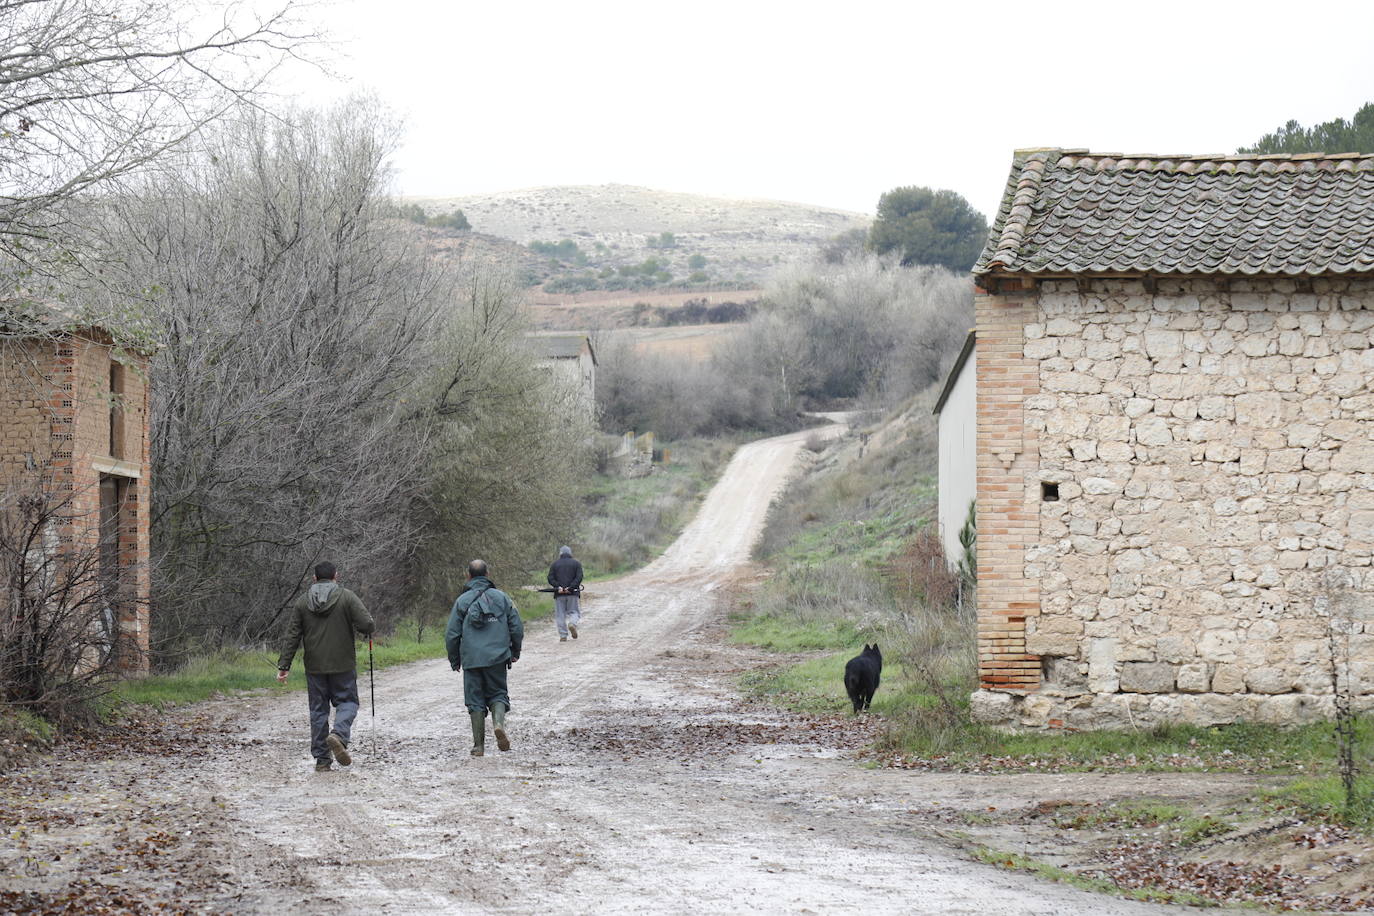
x=637 y=782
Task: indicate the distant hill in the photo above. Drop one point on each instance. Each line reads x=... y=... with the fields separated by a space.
x=632 y=238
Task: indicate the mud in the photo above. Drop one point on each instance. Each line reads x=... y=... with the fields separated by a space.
x=639 y=781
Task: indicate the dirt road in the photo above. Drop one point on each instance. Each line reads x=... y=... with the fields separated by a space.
x=638 y=782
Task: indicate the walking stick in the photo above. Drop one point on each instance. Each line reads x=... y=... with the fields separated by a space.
x=371 y=681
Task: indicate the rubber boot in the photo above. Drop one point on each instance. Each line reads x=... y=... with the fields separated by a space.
x=498 y=723
x=479 y=732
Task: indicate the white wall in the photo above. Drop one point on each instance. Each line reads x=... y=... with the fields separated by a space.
x=577 y=377
x=958 y=456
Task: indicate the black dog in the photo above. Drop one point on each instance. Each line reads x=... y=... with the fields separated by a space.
x=861 y=676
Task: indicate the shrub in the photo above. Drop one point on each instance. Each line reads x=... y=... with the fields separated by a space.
x=566 y=250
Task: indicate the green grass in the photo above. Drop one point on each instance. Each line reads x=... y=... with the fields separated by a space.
x=783 y=635
x=1045 y=870
x=1175 y=747
x=1201 y=827
x=233 y=671
x=908 y=704
x=817 y=686
x=870 y=539
x=1323 y=797
x=23 y=727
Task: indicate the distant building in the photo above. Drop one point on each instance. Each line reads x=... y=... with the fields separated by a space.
x=1175 y=440
x=74 y=418
x=569 y=357
x=958 y=426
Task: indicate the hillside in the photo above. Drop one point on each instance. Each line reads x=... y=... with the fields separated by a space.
x=632 y=238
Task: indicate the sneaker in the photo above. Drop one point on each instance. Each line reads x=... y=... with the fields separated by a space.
x=340 y=752
x=562 y=639
x=323 y=766
x=572 y=630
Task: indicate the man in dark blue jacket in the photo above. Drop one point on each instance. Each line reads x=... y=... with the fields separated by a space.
x=565 y=575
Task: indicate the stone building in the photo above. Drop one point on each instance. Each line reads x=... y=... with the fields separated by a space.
x=74 y=418
x=569 y=357
x=1175 y=443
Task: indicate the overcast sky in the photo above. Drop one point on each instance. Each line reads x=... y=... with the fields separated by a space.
x=829 y=103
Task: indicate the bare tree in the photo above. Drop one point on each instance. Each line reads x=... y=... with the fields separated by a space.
x=60 y=614
x=863 y=328
x=92 y=90
x=294 y=319
x=866 y=327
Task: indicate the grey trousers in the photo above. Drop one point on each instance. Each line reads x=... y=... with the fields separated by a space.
x=324 y=691
x=567 y=609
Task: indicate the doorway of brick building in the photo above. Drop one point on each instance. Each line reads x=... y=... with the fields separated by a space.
x=114 y=495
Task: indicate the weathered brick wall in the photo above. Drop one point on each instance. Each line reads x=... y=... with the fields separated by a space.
x=56 y=422
x=24 y=404
x=1213 y=447
x=1007 y=512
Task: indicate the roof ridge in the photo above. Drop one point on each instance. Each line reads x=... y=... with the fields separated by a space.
x=1082 y=153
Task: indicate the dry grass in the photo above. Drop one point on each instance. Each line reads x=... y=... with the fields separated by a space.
x=697 y=342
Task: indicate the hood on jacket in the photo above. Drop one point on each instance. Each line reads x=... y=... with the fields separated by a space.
x=481 y=582
x=323 y=595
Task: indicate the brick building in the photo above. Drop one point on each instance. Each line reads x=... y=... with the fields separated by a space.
x=1175 y=438
x=74 y=418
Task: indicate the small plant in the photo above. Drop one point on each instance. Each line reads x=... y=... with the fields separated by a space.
x=968 y=558
x=1337 y=601
x=1196 y=829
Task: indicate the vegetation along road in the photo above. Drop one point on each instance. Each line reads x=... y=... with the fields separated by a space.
x=639 y=782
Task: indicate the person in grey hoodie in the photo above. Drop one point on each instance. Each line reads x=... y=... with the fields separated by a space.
x=324 y=619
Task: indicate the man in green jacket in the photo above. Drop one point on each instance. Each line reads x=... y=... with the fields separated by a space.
x=325 y=619
x=483 y=639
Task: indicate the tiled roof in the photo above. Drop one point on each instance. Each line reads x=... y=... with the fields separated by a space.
x=559 y=346
x=1075 y=212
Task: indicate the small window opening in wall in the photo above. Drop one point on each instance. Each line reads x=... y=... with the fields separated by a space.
x=116 y=395
x=1049 y=492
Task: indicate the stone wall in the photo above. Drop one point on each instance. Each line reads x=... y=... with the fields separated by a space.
x=1205 y=470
